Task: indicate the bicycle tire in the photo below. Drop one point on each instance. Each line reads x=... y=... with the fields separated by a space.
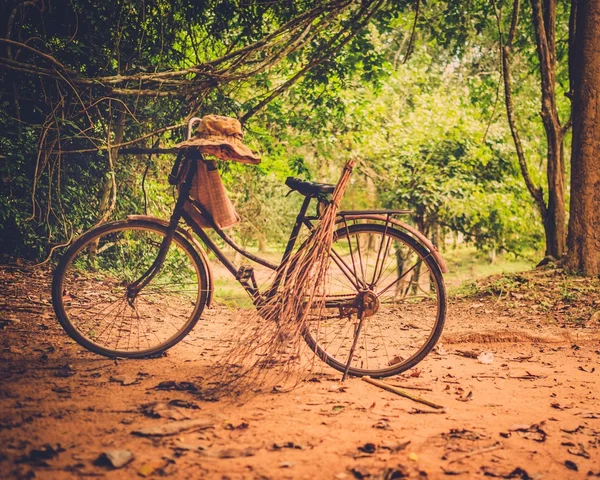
x=67 y=276
x=413 y=247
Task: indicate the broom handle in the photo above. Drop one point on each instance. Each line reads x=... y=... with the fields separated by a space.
x=342 y=182
x=402 y=393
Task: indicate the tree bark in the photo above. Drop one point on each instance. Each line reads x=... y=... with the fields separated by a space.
x=552 y=211
x=584 y=222
x=544 y=22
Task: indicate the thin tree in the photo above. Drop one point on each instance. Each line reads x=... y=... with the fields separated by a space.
x=551 y=210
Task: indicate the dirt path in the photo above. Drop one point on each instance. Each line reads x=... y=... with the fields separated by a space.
x=534 y=412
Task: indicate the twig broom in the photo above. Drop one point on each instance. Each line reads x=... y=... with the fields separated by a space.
x=299 y=297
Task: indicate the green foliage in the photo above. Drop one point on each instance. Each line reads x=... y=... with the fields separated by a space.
x=429 y=132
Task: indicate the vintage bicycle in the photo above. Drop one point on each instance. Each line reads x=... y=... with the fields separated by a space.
x=136 y=287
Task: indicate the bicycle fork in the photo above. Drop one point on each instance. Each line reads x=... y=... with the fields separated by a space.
x=133 y=289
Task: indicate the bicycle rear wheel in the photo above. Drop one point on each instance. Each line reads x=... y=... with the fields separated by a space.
x=89 y=290
x=401 y=288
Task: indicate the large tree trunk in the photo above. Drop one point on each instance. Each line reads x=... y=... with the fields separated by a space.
x=584 y=222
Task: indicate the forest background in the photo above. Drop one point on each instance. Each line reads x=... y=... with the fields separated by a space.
x=94 y=95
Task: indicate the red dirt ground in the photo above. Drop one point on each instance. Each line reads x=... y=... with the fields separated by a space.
x=534 y=412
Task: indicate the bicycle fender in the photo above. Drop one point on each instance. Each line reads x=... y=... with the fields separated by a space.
x=188 y=236
x=408 y=228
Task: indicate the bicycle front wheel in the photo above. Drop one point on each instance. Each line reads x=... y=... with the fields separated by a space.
x=390 y=280
x=89 y=290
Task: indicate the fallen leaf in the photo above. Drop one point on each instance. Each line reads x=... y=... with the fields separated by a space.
x=279 y=446
x=125 y=380
x=577 y=429
x=467 y=353
x=179 y=386
x=558 y=406
x=360 y=472
x=383 y=424
x=399 y=471
x=523 y=358
x=519 y=426
x=487 y=358
x=440 y=350
x=368 y=448
x=176 y=402
x=114 y=458
x=591 y=370
x=395 y=360
x=181 y=445
x=527 y=376
x=173 y=428
x=580 y=452
x=394 y=448
x=164 y=410
x=236 y=453
x=531 y=432
x=337 y=388
x=518 y=473
x=149 y=468
x=571 y=465
x=462 y=434
x=230 y=426
x=466 y=398
x=453 y=472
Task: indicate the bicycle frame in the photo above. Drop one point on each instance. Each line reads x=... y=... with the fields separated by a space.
x=245 y=275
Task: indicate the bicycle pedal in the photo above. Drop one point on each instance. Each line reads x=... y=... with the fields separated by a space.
x=244 y=273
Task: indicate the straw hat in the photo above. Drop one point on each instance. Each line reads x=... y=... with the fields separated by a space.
x=221 y=137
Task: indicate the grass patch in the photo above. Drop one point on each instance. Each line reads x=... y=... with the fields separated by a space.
x=467 y=265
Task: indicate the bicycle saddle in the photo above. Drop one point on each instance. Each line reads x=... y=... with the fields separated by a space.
x=309 y=189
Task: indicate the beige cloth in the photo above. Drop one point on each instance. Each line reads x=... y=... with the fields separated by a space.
x=208 y=189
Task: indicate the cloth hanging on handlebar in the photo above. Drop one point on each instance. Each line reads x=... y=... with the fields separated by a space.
x=209 y=191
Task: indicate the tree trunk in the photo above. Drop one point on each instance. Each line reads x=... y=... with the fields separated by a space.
x=584 y=221
x=553 y=212
x=555 y=219
x=544 y=22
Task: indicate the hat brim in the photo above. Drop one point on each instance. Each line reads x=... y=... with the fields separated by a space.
x=224 y=149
